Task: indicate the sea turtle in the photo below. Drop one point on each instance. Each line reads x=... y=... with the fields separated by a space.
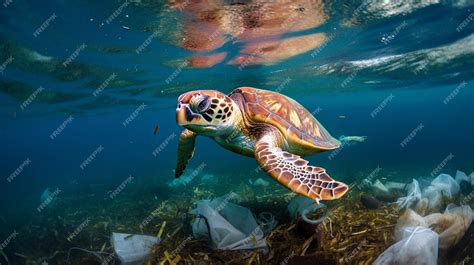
x=269 y=126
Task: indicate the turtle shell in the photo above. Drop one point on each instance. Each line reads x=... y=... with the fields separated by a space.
x=299 y=127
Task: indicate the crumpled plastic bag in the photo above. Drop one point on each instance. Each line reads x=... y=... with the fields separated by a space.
x=434 y=197
x=408 y=219
x=419 y=245
x=413 y=195
x=442 y=185
x=132 y=249
x=461 y=176
x=228 y=226
x=446 y=184
x=298 y=204
x=452 y=225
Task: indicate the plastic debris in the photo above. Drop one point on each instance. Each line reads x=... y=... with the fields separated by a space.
x=209 y=179
x=461 y=176
x=413 y=195
x=442 y=185
x=472 y=179
x=298 y=204
x=133 y=249
x=446 y=185
x=395 y=185
x=409 y=219
x=259 y=183
x=313 y=208
x=228 y=226
x=184 y=179
x=418 y=246
x=452 y=225
x=45 y=195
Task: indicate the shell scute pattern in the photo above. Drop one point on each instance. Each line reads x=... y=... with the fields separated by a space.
x=297 y=124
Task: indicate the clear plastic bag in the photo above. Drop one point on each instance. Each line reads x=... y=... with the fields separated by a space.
x=461 y=176
x=446 y=184
x=408 y=219
x=418 y=246
x=298 y=204
x=451 y=225
x=132 y=249
x=413 y=195
x=228 y=226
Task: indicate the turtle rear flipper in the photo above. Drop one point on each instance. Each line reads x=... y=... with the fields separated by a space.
x=187 y=141
x=294 y=172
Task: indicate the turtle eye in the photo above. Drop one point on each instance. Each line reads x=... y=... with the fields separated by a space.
x=203 y=105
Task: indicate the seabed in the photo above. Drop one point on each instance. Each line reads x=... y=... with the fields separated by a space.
x=355 y=232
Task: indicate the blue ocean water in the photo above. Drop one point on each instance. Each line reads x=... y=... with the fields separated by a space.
x=83 y=85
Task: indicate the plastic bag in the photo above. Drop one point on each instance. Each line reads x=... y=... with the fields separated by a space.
x=209 y=179
x=297 y=205
x=413 y=195
x=408 y=219
x=446 y=184
x=461 y=176
x=434 y=197
x=451 y=225
x=395 y=186
x=418 y=246
x=228 y=226
x=378 y=187
x=132 y=249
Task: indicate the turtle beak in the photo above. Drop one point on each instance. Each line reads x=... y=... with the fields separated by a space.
x=185 y=116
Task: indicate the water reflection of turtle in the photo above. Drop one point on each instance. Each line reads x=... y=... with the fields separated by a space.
x=260 y=29
x=271 y=127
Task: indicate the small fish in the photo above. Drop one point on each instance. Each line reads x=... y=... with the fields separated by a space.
x=125 y=27
x=342 y=116
x=155 y=131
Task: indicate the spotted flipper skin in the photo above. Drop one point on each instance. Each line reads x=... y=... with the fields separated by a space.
x=294 y=172
x=187 y=141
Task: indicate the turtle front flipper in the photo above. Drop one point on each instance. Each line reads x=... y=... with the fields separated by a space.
x=187 y=141
x=294 y=172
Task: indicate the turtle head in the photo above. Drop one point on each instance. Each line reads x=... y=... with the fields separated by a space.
x=207 y=112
